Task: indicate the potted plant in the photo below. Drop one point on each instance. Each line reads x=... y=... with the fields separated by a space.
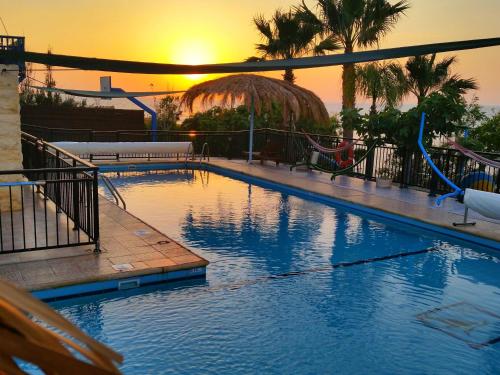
x=384 y=177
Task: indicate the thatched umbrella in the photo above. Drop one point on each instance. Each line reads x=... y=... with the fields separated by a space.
x=258 y=93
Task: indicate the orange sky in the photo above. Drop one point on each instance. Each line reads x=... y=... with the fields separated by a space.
x=199 y=31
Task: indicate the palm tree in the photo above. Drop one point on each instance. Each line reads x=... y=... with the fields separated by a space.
x=383 y=84
x=424 y=76
x=284 y=36
x=351 y=24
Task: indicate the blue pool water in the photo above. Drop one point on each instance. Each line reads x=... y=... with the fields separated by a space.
x=275 y=300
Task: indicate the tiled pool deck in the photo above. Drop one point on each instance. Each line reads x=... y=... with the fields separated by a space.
x=141 y=251
x=408 y=203
x=125 y=240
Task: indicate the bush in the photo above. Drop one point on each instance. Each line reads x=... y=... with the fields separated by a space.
x=228 y=119
x=488 y=134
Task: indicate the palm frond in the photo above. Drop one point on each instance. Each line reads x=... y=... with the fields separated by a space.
x=327 y=45
x=378 y=19
x=456 y=85
x=384 y=84
x=263 y=26
x=425 y=76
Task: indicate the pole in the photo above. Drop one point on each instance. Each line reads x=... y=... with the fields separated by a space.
x=250 y=135
x=151 y=111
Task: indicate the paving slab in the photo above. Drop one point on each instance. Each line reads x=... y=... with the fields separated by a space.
x=126 y=241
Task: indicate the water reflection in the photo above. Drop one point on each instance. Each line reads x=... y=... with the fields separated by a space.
x=242 y=319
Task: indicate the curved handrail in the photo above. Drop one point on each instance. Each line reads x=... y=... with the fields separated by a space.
x=114 y=191
x=457 y=191
x=60 y=150
x=203 y=148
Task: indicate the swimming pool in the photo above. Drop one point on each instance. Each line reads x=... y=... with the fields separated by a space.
x=296 y=285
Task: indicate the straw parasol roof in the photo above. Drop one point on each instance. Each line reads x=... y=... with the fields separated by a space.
x=63 y=349
x=240 y=88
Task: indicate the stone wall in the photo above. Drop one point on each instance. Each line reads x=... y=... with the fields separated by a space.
x=10 y=134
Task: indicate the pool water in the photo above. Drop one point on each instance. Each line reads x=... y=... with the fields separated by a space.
x=285 y=293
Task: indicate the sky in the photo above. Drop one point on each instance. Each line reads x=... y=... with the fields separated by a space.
x=216 y=31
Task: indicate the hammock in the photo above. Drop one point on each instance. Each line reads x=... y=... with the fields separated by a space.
x=471 y=154
x=351 y=167
x=306 y=158
x=326 y=150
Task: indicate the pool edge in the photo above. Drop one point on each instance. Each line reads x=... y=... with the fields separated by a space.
x=448 y=230
x=115 y=284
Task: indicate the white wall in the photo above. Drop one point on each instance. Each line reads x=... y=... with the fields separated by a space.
x=10 y=133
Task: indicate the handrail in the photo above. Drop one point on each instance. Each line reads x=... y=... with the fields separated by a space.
x=201 y=133
x=114 y=191
x=72 y=186
x=190 y=133
x=205 y=145
x=190 y=151
x=60 y=150
x=23 y=183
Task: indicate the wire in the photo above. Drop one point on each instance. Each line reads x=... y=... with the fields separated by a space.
x=53 y=69
x=45 y=70
x=4 y=27
x=36 y=80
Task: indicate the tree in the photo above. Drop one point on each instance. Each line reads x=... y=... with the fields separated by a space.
x=285 y=36
x=48 y=97
x=27 y=94
x=351 y=24
x=425 y=76
x=488 y=134
x=224 y=119
x=444 y=117
x=168 y=112
x=381 y=84
x=36 y=97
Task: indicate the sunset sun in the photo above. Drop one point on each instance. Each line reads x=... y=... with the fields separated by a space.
x=194 y=52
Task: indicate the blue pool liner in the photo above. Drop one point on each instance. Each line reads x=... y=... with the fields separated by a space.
x=308 y=195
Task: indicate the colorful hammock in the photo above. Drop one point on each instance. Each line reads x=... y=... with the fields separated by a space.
x=352 y=166
x=474 y=156
x=327 y=150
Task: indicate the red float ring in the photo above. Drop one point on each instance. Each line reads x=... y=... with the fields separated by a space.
x=344 y=163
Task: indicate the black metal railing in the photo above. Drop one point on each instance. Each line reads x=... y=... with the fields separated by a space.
x=408 y=168
x=51 y=203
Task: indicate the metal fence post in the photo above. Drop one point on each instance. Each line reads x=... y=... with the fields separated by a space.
x=433 y=184
x=498 y=182
x=118 y=140
x=76 y=203
x=91 y=139
x=405 y=169
x=95 y=204
x=369 y=161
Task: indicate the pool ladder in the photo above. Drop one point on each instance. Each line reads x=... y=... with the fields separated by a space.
x=205 y=152
x=114 y=191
